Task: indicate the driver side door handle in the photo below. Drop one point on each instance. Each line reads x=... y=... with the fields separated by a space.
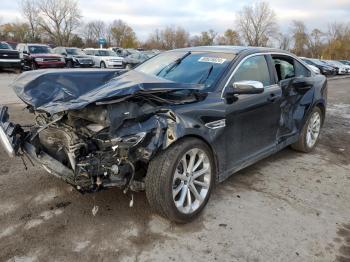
x=273 y=97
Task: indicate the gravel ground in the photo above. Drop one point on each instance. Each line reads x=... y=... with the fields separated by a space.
x=288 y=207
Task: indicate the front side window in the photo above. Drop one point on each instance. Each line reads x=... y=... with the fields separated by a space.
x=253 y=69
x=106 y=53
x=187 y=67
x=74 y=51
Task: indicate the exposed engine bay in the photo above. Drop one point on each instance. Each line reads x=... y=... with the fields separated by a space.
x=105 y=145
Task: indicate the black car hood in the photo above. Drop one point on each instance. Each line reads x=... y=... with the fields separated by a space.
x=55 y=91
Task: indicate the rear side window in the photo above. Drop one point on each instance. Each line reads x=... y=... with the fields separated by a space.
x=255 y=69
x=300 y=70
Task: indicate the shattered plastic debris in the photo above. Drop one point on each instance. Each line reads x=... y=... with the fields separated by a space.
x=94 y=210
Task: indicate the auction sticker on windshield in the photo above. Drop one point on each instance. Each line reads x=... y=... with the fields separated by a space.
x=215 y=60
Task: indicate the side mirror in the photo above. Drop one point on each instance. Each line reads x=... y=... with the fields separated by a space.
x=302 y=83
x=64 y=54
x=248 y=87
x=25 y=52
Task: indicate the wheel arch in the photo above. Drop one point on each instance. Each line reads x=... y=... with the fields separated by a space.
x=321 y=105
x=212 y=150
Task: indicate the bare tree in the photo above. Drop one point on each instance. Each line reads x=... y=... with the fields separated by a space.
x=230 y=37
x=168 y=38
x=30 y=11
x=122 y=34
x=316 y=42
x=172 y=37
x=283 y=41
x=93 y=30
x=204 y=39
x=257 y=24
x=300 y=38
x=154 y=40
x=59 y=18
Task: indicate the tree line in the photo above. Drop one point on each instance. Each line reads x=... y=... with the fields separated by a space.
x=61 y=23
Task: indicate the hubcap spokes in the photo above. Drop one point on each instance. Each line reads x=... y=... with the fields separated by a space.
x=313 y=129
x=191 y=181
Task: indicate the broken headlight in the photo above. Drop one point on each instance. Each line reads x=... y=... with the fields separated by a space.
x=131 y=140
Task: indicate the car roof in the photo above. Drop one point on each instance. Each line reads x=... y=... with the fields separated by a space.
x=232 y=49
x=104 y=49
x=36 y=44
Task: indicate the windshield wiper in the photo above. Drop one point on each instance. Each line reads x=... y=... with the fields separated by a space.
x=175 y=64
x=206 y=76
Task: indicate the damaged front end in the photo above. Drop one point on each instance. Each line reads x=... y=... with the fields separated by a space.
x=92 y=148
x=104 y=143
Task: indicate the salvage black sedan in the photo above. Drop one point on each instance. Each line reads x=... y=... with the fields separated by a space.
x=174 y=126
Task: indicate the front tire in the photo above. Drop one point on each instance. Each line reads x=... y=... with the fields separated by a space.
x=34 y=66
x=103 y=65
x=69 y=64
x=180 y=179
x=310 y=133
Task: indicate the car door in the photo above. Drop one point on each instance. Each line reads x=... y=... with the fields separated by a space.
x=252 y=120
x=289 y=72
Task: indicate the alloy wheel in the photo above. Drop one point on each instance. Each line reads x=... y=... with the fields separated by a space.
x=313 y=129
x=191 y=181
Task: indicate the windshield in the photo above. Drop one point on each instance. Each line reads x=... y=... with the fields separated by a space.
x=106 y=53
x=187 y=67
x=74 y=51
x=308 y=61
x=4 y=45
x=336 y=63
x=39 y=49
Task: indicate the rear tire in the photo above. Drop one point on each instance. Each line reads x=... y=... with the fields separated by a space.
x=177 y=188
x=309 y=135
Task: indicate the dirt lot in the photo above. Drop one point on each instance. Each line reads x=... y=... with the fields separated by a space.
x=288 y=207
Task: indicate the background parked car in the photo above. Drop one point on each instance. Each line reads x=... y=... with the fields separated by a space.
x=9 y=58
x=105 y=58
x=74 y=57
x=36 y=56
x=120 y=51
x=135 y=59
x=345 y=62
x=314 y=69
x=324 y=68
x=341 y=68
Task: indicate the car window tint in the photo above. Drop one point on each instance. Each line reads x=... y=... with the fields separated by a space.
x=4 y=45
x=187 y=67
x=255 y=69
x=300 y=70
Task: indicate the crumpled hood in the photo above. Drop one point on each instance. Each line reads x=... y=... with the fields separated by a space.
x=55 y=91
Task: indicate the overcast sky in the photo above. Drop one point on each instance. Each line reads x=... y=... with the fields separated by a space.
x=197 y=15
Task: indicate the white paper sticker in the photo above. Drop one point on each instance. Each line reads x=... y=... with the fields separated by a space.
x=215 y=60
